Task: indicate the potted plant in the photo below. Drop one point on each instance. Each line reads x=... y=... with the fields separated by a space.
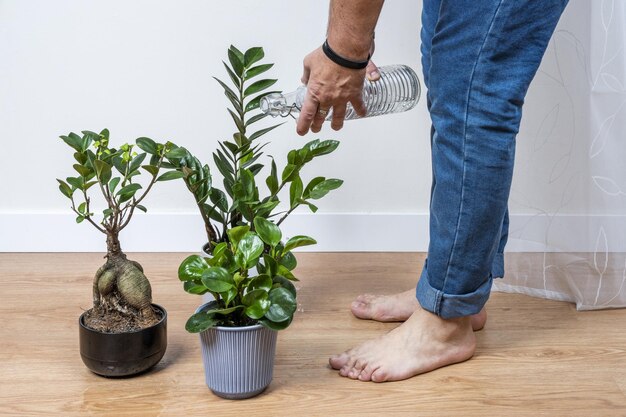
x=123 y=333
x=249 y=266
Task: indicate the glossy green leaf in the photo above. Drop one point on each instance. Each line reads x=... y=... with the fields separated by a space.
x=298 y=241
x=171 y=175
x=257 y=303
x=200 y=322
x=233 y=77
x=295 y=191
x=192 y=268
x=136 y=162
x=289 y=172
x=261 y=282
x=82 y=170
x=286 y=284
x=283 y=305
x=253 y=55
x=217 y=279
x=74 y=141
x=236 y=61
x=249 y=250
x=258 y=86
x=267 y=231
x=176 y=153
x=195 y=287
x=260 y=69
x=324 y=187
x=237 y=233
x=289 y=261
x=147 y=145
x=261 y=132
x=273 y=325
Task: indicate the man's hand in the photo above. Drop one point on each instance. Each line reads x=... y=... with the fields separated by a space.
x=330 y=86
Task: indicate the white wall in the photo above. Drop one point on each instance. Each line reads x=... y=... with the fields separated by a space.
x=144 y=68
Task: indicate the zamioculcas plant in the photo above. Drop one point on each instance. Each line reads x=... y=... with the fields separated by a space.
x=120 y=287
x=250 y=266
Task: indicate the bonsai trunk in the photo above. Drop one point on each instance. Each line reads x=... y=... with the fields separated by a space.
x=120 y=285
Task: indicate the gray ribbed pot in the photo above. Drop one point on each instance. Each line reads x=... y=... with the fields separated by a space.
x=238 y=361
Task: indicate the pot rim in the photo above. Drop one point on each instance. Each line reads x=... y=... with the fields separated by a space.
x=160 y=322
x=229 y=328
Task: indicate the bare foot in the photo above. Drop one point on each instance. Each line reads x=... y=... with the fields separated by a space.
x=423 y=343
x=397 y=307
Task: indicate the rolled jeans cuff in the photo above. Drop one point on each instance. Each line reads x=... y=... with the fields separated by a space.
x=449 y=306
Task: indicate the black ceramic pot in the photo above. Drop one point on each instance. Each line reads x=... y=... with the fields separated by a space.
x=123 y=354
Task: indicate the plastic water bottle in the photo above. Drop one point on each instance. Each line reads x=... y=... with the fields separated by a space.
x=397 y=90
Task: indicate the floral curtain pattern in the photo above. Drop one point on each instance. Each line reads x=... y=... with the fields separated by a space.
x=569 y=208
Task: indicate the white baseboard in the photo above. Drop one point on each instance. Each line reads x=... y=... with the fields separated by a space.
x=336 y=232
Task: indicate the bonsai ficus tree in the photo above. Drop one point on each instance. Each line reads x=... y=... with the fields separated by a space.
x=120 y=285
x=250 y=267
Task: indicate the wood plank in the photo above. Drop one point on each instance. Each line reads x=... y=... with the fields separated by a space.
x=535 y=357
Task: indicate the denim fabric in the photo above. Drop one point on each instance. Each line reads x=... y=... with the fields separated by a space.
x=479 y=57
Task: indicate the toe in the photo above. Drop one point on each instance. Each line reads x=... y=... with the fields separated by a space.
x=356 y=369
x=348 y=366
x=379 y=375
x=338 y=361
x=366 y=373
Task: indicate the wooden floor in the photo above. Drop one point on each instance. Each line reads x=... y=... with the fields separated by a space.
x=534 y=358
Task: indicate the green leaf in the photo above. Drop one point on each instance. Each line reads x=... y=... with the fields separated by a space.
x=171 y=175
x=136 y=162
x=286 y=284
x=232 y=75
x=83 y=170
x=107 y=212
x=271 y=266
x=217 y=279
x=318 y=148
x=65 y=189
x=76 y=182
x=192 y=268
x=283 y=305
x=311 y=184
x=253 y=55
x=236 y=60
x=261 y=132
x=79 y=219
x=273 y=325
x=195 y=287
x=261 y=282
x=237 y=233
x=113 y=184
x=82 y=207
x=256 y=118
x=260 y=69
x=90 y=184
x=74 y=141
x=324 y=187
x=258 y=86
x=151 y=169
x=289 y=261
x=298 y=241
x=246 y=179
x=289 y=171
x=249 y=250
x=176 y=153
x=218 y=198
x=81 y=158
x=147 y=145
x=313 y=207
x=200 y=322
x=238 y=122
x=103 y=170
x=257 y=302
x=129 y=189
x=267 y=231
x=142 y=208
x=295 y=191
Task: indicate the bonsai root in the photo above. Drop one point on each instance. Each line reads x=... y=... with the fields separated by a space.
x=120 y=286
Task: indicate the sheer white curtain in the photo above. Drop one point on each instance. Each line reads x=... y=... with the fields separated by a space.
x=569 y=205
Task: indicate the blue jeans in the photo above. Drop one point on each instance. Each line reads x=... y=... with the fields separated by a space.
x=479 y=57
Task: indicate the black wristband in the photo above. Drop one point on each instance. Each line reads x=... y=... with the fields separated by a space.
x=339 y=60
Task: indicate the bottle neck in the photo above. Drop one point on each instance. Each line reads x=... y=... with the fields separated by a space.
x=277 y=104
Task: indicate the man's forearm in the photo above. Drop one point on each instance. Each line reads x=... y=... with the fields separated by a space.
x=351 y=26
